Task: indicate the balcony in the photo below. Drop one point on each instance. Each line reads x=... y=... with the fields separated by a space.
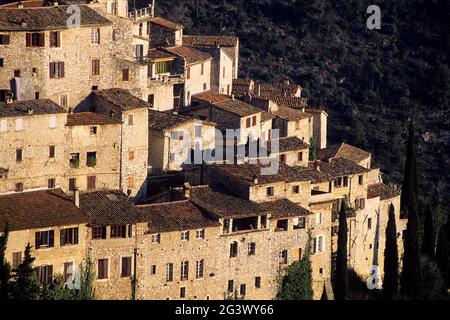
x=318 y=196
x=141 y=13
x=169 y=79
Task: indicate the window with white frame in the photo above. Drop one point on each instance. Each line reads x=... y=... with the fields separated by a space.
x=19 y=124
x=319 y=244
x=200 y=234
x=63 y=100
x=3 y=125
x=156 y=238
x=199 y=268
x=53 y=122
x=185 y=236
x=95 y=35
x=319 y=218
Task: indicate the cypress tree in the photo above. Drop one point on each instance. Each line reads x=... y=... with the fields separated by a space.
x=428 y=241
x=312 y=149
x=442 y=256
x=27 y=286
x=341 y=276
x=411 y=277
x=5 y=268
x=390 y=281
x=409 y=185
x=87 y=275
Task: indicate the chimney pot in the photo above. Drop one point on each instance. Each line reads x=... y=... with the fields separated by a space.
x=187 y=190
x=317 y=165
x=30 y=110
x=76 y=197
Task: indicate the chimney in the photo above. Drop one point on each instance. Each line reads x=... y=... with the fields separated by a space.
x=30 y=110
x=19 y=5
x=303 y=109
x=232 y=96
x=255 y=179
x=187 y=190
x=317 y=165
x=9 y=100
x=287 y=82
x=55 y=3
x=70 y=111
x=76 y=197
x=111 y=114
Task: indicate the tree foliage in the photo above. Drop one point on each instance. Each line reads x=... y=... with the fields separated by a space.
x=390 y=281
x=5 y=268
x=341 y=273
x=26 y=284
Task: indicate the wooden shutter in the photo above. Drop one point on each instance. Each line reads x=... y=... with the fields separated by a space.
x=188 y=72
x=41 y=39
x=104 y=232
x=62 y=237
x=50 y=274
x=75 y=236
x=51 y=236
x=123 y=231
x=37 y=243
x=28 y=39
x=125 y=74
x=5 y=39
x=91 y=182
x=58 y=39
x=52 y=69
x=62 y=69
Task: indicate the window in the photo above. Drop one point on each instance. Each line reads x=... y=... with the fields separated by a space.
x=319 y=218
x=51 y=152
x=74 y=160
x=361 y=180
x=360 y=204
x=319 y=244
x=17 y=73
x=68 y=236
x=283 y=158
x=251 y=248
x=131 y=119
x=3 y=125
x=93 y=130
x=202 y=70
x=283 y=257
x=254 y=121
x=184 y=275
x=102 y=272
x=2 y=62
x=94 y=88
x=16 y=260
x=91 y=159
x=68 y=271
x=44 y=239
x=182 y=292
x=169 y=272
x=153 y=269
x=205 y=87
x=95 y=36
x=130 y=154
x=118 y=231
x=91 y=183
x=63 y=100
x=263 y=222
x=248 y=122
x=99 y=232
x=53 y=122
x=72 y=184
x=45 y=274
x=185 y=236
x=296 y=189
x=36 y=95
x=369 y=223
x=199 y=269
x=126 y=267
x=156 y=238
x=19 y=124
x=130 y=183
x=300 y=156
x=114 y=7
x=257 y=282
x=51 y=183
x=19 y=187
x=188 y=73
x=299 y=222
x=56 y=70
x=19 y=155
x=140 y=28
x=230 y=287
x=125 y=74
x=200 y=234
x=270 y=191
x=345 y=181
x=151 y=100
x=161 y=67
x=243 y=289
x=35 y=39
x=4 y=39
x=34 y=71
x=233 y=249
x=95 y=67
x=55 y=39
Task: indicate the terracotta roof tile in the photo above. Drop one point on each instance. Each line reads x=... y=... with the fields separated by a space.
x=162 y=121
x=46 y=18
x=166 y=23
x=190 y=55
x=210 y=96
x=343 y=150
x=285 y=208
x=238 y=107
x=39 y=209
x=38 y=107
x=289 y=144
x=174 y=216
x=290 y=114
x=341 y=167
x=89 y=118
x=381 y=190
x=122 y=99
x=154 y=54
x=209 y=41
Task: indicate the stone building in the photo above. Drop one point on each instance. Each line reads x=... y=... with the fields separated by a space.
x=52 y=224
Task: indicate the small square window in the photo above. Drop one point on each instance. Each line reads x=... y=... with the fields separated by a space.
x=19 y=187
x=270 y=191
x=153 y=269
x=361 y=180
x=296 y=189
x=51 y=152
x=185 y=236
x=257 y=282
x=93 y=130
x=200 y=234
x=17 y=73
x=1 y=62
x=156 y=238
x=36 y=95
x=182 y=292
x=51 y=183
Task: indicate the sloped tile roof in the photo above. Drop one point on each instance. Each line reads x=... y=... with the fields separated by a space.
x=46 y=18
x=343 y=150
x=190 y=55
x=381 y=190
x=174 y=216
x=166 y=23
x=285 y=208
x=38 y=107
x=290 y=114
x=39 y=209
x=154 y=54
x=108 y=207
x=237 y=107
x=162 y=121
x=210 y=96
x=210 y=41
x=289 y=144
x=122 y=99
x=337 y=167
x=90 y=118
x=224 y=205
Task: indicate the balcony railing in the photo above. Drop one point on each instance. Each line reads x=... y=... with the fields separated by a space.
x=141 y=13
x=321 y=196
x=172 y=79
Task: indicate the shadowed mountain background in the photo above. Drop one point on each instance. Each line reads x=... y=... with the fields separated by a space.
x=370 y=81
